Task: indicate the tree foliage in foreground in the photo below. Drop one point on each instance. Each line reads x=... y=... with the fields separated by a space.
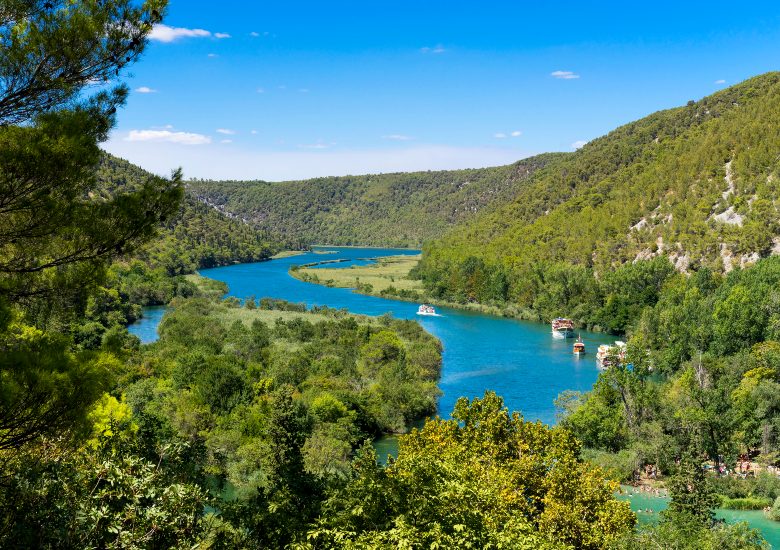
x=484 y=479
x=57 y=231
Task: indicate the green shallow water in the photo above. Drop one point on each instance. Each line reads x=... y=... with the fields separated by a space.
x=641 y=502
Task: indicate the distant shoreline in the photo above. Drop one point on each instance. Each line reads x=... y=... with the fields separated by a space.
x=365 y=246
x=286 y=254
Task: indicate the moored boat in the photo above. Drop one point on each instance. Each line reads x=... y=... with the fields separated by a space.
x=607 y=355
x=562 y=328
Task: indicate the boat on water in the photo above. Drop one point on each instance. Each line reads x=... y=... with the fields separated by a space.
x=579 y=347
x=562 y=328
x=608 y=355
x=425 y=309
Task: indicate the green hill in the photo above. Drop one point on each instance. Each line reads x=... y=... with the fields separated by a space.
x=698 y=185
x=199 y=236
x=404 y=209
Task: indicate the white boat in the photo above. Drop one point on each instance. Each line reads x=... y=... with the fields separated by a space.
x=608 y=355
x=562 y=328
x=425 y=309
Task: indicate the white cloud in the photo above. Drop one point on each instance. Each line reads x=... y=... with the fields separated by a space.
x=398 y=137
x=226 y=131
x=303 y=90
x=564 y=75
x=226 y=141
x=502 y=135
x=261 y=90
x=253 y=132
x=721 y=81
x=242 y=163
x=282 y=87
x=579 y=143
x=212 y=55
x=145 y=90
x=185 y=138
x=436 y=49
x=221 y=35
x=164 y=33
x=315 y=146
x=254 y=34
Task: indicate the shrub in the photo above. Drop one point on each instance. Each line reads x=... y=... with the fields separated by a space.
x=746 y=503
x=774 y=513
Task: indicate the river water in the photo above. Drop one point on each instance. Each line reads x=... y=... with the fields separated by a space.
x=518 y=359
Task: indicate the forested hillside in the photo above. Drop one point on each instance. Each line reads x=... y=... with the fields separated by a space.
x=198 y=236
x=403 y=209
x=696 y=184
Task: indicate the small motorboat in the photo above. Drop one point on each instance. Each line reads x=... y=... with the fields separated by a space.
x=425 y=309
x=579 y=347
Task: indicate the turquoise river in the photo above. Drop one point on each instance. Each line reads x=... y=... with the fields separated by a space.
x=518 y=359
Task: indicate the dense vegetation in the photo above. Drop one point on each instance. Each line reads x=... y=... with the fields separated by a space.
x=712 y=343
x=243 y=426
x=379 y=210
x=697 y=184
x=261 y=406
x=198 y=236
x=701 y=379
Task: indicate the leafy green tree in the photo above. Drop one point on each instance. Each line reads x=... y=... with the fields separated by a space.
x=290 y=498
x=48 y=142
x=693 y=500
x=106 y=496
x=57 y=231
x=483 y=479
x=46 y=389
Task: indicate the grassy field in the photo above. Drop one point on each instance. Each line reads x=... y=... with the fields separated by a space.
x=389 y=278
x=207 y=287
x=229 y=315
x=287 y=254
x=387 y=272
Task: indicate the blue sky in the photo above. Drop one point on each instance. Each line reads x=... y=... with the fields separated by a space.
x=286 y=90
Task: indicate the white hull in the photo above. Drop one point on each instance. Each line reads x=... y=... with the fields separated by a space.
x=562 y=334
x=428 y=314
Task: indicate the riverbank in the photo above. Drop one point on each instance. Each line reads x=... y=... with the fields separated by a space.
x=286 y=254
x=388 y=277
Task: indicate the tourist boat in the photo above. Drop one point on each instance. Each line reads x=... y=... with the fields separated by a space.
x=425 y=309
x=579 y=347
x=562 y=328
x=607 y=355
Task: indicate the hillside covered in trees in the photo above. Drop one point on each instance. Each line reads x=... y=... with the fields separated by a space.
x=697 y=186
x=404 y=209
x=198 y=236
